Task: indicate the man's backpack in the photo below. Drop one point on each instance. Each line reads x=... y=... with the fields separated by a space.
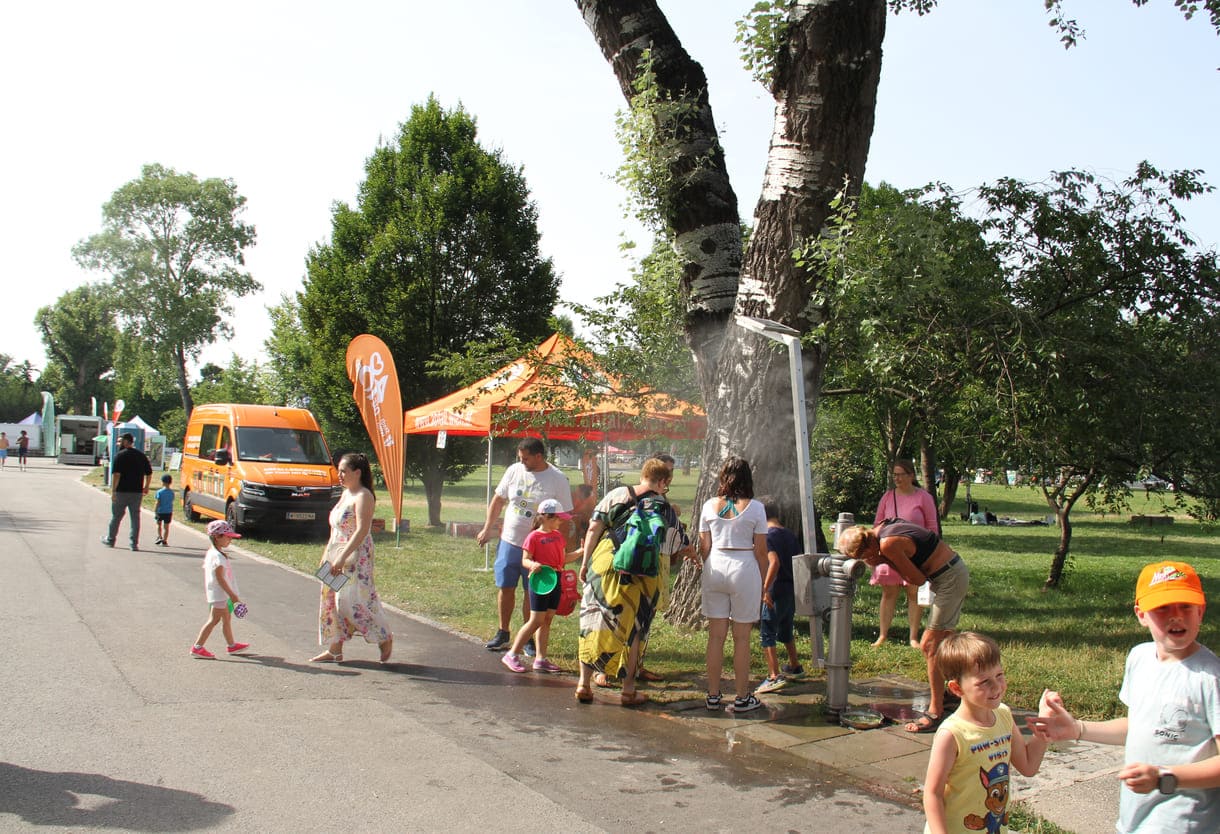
x=638 y=538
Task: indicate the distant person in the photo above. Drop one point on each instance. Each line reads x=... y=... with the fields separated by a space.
x=543 y=548
x=130 y=477
x=908 y=502
x=165 y=509
x=967 y=785
x=221 y=590
x=920 y=556
x=4 y=444
x=1171 y=686
x=356 y=607
x=23 y=450
x=526 y=484
x=733 y=546
x=584 y=499
x=778 y=602
x=590 y=469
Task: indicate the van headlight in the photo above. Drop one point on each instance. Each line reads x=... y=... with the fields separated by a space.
x=251 y=488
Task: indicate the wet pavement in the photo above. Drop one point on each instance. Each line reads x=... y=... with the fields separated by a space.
x=109 y=724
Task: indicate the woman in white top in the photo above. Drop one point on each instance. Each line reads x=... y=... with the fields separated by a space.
x=733 y=550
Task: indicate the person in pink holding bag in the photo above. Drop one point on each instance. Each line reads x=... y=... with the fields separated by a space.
x=908 y=501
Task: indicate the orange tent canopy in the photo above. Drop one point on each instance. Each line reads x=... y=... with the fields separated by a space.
x=530 y=397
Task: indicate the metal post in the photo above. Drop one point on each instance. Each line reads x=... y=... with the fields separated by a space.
x=777 y=332
x=487 y=544
x=843 y=574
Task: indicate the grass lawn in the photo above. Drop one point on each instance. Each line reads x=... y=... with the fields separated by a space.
x=1074 y=639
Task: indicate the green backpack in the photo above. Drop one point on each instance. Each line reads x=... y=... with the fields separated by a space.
x=638 y=538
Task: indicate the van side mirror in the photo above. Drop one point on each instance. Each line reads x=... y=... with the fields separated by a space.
x=223 y=458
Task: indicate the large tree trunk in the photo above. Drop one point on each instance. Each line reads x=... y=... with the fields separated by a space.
x=948 y=493
x=434 y=484
x=825 y=88
x=184 y=386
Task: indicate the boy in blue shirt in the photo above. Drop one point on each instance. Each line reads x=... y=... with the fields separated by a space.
x=164 y=509
x=778 y=602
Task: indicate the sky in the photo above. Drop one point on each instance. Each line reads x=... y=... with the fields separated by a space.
x=289 y=99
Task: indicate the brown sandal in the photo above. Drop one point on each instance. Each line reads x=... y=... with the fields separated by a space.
x=327 y=657
x=584 y=694
x=633 y=699
x=602 y=679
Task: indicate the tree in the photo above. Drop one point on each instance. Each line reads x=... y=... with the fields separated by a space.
x=18 y=394
x=1115 y=294
x=821 y=62
x=174 y=247
x=81 y=339
x=920 y=311
x=440 y=249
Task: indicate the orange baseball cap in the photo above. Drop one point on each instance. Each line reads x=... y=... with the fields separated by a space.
x=1164 y=583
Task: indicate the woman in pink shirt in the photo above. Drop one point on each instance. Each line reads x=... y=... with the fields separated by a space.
x=910 y=503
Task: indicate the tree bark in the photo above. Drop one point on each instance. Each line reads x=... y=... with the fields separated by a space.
x=434 y=484
x=1070 y=487
x=184 y=386
x=825 y=89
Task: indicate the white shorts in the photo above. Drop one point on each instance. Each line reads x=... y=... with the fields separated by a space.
x=732 y=586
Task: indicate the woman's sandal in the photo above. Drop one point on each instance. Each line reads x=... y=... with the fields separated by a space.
x=584 y=694
x=600 y=679
x=387 y=648
x=926 y=723
x=649 y=676
x=633 y=699
x=327 y=657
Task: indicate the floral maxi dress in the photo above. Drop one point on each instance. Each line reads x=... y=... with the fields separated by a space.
x=356 y=608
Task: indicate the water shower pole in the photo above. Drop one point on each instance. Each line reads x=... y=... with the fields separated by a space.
x=777 y=332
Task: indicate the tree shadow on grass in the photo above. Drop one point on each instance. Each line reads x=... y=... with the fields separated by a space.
x=89 y=800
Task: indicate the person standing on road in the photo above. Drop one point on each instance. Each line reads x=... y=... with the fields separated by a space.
x=130 y=476
x=525 y=485
x=356 y=607
x=4 y=444
x=23 y=450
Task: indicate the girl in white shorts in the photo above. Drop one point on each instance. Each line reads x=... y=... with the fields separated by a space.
x=733 y=547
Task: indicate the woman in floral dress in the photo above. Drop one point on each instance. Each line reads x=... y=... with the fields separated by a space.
x=355 y=608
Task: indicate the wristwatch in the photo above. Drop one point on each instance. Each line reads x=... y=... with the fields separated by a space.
x=1166 y=782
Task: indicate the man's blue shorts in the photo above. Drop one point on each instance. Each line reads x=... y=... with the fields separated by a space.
x=775 y=624
x=509 y=572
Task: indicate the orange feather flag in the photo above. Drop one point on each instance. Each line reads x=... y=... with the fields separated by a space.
x=370 y=367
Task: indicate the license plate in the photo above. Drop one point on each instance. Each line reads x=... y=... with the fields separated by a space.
x=300 y=516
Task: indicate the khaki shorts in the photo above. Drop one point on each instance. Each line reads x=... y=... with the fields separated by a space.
x=950 y=589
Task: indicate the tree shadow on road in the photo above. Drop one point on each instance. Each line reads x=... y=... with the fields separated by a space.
x=90 y=800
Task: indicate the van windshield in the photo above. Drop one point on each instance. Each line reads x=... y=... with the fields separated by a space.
x=281 y=445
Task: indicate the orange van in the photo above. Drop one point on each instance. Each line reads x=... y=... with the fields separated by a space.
x=258 y=466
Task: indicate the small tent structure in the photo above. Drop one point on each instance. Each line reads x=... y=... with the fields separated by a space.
x=535 y=396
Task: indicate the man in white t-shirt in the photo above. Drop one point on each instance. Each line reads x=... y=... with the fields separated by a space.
x=524 y=486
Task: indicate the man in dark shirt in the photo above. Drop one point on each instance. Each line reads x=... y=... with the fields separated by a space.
x=130 y=475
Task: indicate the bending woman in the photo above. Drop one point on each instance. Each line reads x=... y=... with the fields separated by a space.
x=909 y=502
x=733 y=543
x=920 y=556
x=355 y=608
x=617 y=609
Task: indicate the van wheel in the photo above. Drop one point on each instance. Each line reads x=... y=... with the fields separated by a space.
x=231 y=516
x=189 y=507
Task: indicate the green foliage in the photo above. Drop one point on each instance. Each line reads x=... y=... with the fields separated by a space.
x=658 y=158
x=848 y=463
x=762 y=34
x=19 y=396
x=440 y=249
x=173 y=246
x=239 y=382
x=637 y=328
x=81 y=339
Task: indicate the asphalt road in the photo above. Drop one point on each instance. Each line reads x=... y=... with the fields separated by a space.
x=108 y=723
